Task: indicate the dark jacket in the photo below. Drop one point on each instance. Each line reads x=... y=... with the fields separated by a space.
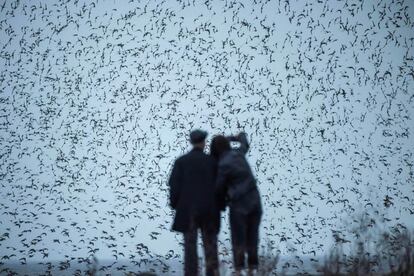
x=235 y=178
x=192 y=191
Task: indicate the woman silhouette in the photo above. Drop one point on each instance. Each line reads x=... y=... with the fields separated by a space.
x=235 y=182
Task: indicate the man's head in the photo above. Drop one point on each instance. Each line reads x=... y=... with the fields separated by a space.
x=197 y=138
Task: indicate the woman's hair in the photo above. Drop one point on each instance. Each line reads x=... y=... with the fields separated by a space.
x=219 y=145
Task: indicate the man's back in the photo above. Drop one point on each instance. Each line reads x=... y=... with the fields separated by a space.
x=192 y=193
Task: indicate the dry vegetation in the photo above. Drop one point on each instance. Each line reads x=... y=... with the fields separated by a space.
x=375 y=252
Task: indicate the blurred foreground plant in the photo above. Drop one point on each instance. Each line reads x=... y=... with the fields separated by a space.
x=374 y=252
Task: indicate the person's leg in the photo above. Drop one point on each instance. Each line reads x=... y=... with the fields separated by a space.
x=253 y=222
x=190 y=253
x=210 y=252
x=238 y=239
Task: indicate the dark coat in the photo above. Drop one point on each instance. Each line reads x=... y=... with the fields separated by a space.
x=235 y=179
x=192 y=191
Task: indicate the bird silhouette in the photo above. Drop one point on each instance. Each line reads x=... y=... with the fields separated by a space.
x=96 y=99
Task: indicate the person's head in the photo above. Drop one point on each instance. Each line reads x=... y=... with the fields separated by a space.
x=197 y=138
x=219 y=145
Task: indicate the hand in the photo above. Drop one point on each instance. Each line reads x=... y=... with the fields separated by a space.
x=241 y=133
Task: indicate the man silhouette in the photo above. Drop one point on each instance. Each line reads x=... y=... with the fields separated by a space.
x=192 y=196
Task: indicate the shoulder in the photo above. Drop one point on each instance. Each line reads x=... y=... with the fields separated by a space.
x=227 y=158
x=231 y=154
x=237 y=153
x=231 y=157
x=193 y=155
x=210 y=157
x=181 y=159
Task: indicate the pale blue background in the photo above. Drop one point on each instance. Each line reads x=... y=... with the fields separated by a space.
x=97 y=100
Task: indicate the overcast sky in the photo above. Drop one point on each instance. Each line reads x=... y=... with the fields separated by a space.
x=97 y=100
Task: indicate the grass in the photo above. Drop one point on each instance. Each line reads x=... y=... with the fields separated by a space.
x=374 y=252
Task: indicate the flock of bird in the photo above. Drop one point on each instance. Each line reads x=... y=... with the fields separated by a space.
x=97 y=100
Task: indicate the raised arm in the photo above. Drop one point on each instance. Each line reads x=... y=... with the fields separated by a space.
x=175 y=184
x=242 y=139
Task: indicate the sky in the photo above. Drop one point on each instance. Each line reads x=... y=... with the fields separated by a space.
x=97 y=100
